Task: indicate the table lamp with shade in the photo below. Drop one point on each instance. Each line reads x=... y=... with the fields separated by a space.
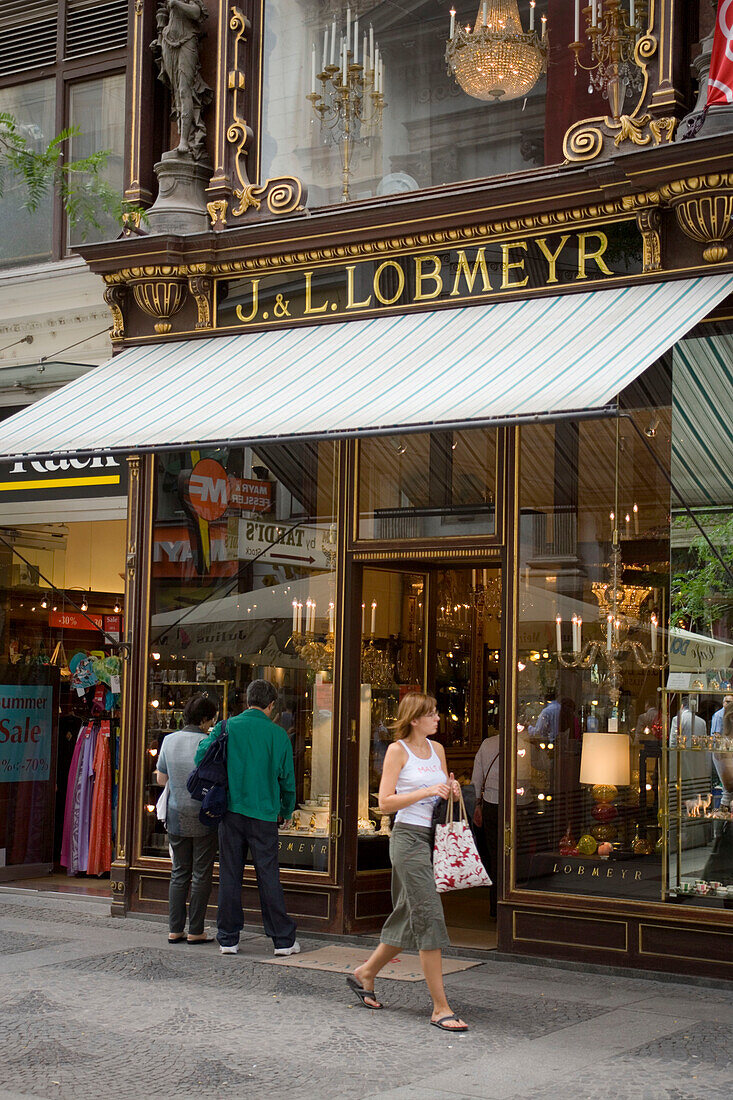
x=605 y=766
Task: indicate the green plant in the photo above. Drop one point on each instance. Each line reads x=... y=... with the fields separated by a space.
x=702 y=591
x=86 y=196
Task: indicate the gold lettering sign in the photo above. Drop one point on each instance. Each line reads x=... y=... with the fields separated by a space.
x=472 y=273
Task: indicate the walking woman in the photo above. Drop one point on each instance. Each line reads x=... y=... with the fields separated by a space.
x=414 y=777
x=192 y=845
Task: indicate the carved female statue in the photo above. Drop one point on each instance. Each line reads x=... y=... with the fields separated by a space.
x=176 y=51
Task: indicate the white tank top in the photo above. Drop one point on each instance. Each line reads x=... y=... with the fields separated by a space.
x=415 y=774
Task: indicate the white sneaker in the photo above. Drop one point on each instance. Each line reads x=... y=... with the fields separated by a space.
x=294 y=950
x=233 y=950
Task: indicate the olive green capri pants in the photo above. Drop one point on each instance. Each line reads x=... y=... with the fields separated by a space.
x=416 y=921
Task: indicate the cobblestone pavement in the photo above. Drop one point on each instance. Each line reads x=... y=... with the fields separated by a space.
x=92 y=1006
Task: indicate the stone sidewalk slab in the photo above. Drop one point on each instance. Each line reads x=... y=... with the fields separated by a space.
x=344 y=960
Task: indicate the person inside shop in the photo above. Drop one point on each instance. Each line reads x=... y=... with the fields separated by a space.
x=414 y=777
x=192 y=845
x=721 y=726
x=687 y=727
x=261 y=780
x=548 y=723
x=485 y=780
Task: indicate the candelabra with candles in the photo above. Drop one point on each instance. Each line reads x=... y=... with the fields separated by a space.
x=316 y=652
x=612 y=30
x=377 y=663
x=350 y=100
x=486 y=594
x=615 y=599
x=497 y=59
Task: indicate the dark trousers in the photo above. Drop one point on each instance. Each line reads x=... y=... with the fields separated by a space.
x=239 y=835
x=193 y=862
x=491 y=842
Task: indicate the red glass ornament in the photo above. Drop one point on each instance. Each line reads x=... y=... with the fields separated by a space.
x=604 y=812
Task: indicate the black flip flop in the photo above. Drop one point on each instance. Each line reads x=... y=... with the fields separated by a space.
x=363 y=993
x=441 y=1024
x=178 y=939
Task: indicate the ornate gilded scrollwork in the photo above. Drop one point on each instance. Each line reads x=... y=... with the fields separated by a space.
x=650 y=224
x=589 y=138
x=202 y=290
x=160 y=298
x=283 y=195
x=116 y=298
x=239 y=132
x=218 y=213
x=703 y=206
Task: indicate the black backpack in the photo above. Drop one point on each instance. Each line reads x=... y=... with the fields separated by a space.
x=207 y=783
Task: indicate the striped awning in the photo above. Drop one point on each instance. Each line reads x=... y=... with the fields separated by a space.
x=702 y=420
x=451 y=367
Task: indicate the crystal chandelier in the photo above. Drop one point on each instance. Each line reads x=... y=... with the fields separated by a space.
x=497 y=59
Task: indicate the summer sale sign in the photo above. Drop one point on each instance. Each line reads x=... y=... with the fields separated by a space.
x=25 y=732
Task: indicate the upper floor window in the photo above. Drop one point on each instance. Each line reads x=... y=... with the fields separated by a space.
x=51 y=78
x=431 y=131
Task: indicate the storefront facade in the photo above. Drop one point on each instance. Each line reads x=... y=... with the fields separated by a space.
x=451 y=439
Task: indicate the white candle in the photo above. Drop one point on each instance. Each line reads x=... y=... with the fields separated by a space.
x=575 y=633
x=485 y=575
x=348 y=28
x=577 y=21
x=325 y=49
x=632 y=13
x=558 y=634
x=371 y=46
x=344 y=64
x=473 y=578
x=484 y=13
x=313 y=70
x=636 y=519
x=295 y=615
x=531 y=13
x=356 y=40
x=594 y=13
x=612 y=517
x=544 y=27
x=330 y=618
x=609 y=624
x=616 y=628
x=362 y=620
x=333 y=43
x=452 y=22
x=299 y=621
x=628 y=526
x=374 y=617
x=364 y=52
x=654 y=633
x=580 y=634
x=375 y=66
x=381 y=76
x=313 y=616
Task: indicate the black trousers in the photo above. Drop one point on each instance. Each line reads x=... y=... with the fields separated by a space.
x=238 y=836
x=491 y=841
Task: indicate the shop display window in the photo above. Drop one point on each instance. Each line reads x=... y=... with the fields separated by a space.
x=244 y=587
x=432 y=485
x=61 y=586
x=425 y=129
x=698 y=741
x=592 y=596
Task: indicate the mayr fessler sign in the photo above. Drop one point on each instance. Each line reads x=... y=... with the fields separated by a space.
x=69 y=477
x=459 y=275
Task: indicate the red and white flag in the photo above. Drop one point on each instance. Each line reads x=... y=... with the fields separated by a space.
x=720 y=81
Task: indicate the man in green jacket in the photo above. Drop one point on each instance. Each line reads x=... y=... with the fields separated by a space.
x=261 y=788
